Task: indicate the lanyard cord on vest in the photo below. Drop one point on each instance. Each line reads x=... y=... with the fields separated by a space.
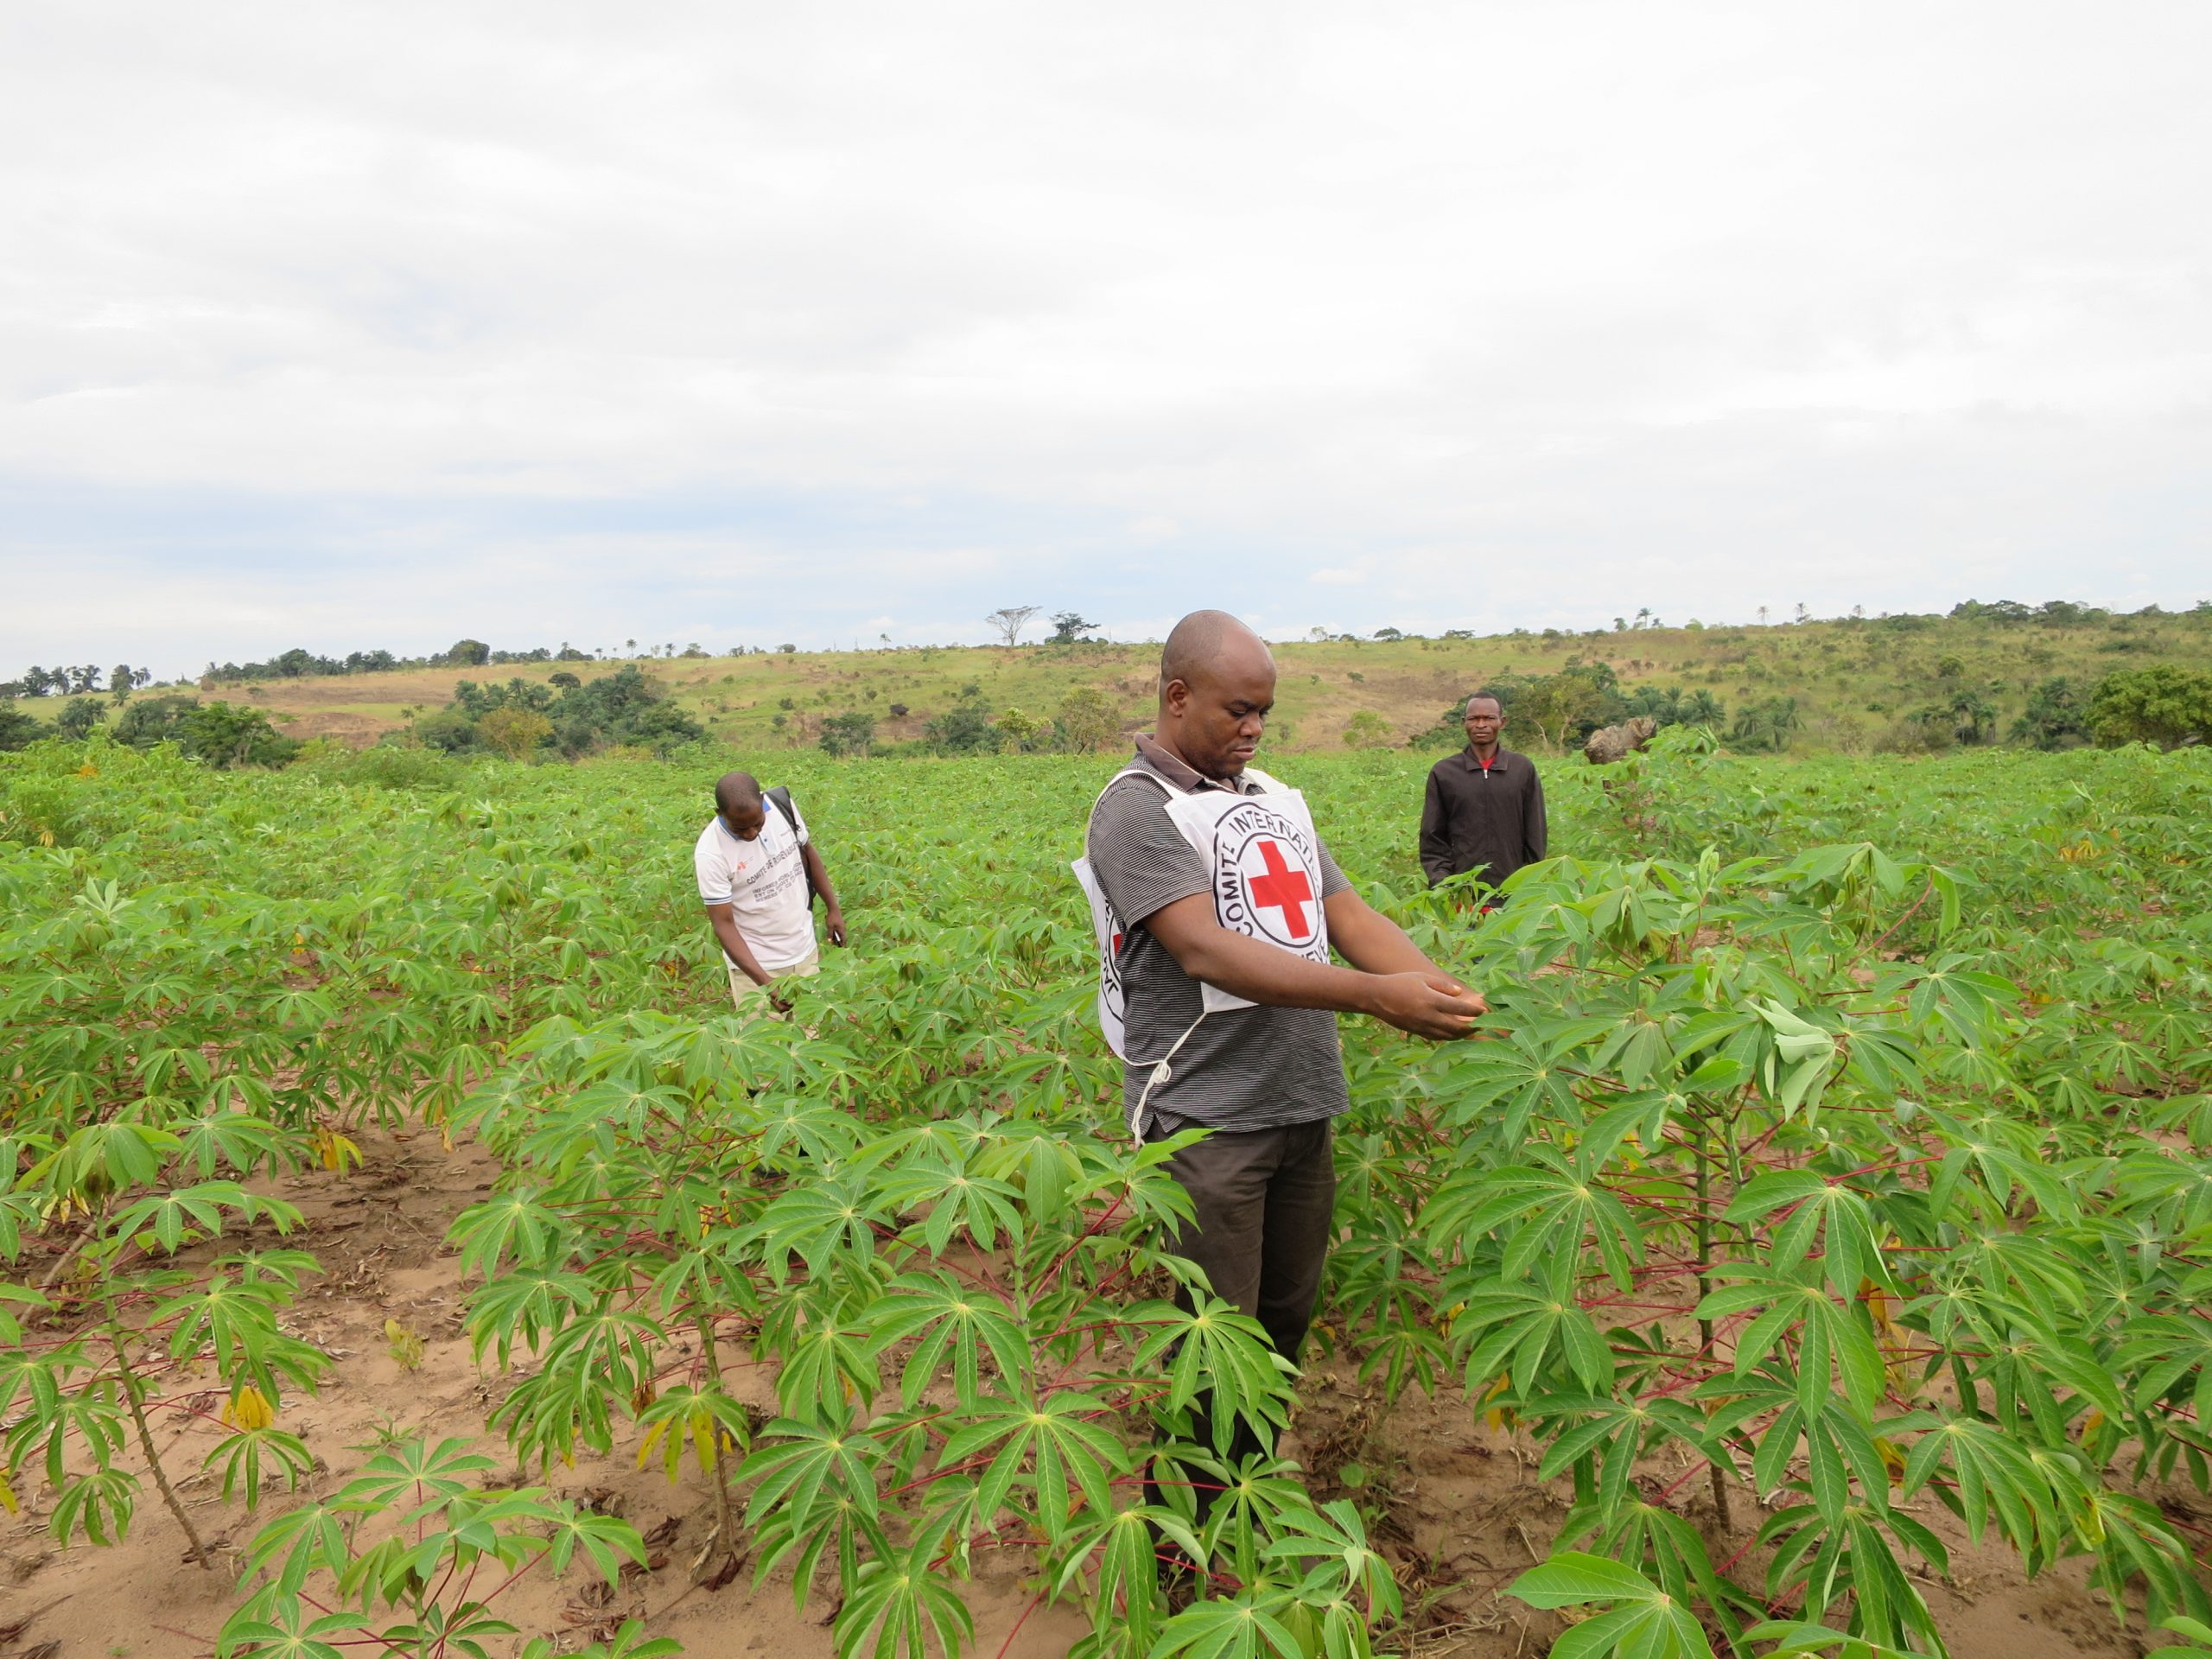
x=1161 y=1069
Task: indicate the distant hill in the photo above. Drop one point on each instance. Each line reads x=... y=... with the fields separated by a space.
x=1855 y=683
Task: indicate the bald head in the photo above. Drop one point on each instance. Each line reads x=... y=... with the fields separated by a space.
x=1205 y=644
x=1217 y=684
x=737 y=794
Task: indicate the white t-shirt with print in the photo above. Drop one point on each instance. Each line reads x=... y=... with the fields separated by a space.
x=764 y=882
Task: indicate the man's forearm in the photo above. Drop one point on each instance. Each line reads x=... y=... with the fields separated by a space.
x=1416 y=998
x=818 y=873
x=1262 y=973
x=1372 y=942
x=734 y=947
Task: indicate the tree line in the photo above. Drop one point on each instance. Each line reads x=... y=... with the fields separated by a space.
x=2163 y=705
x=1084 y=720
x=37 y=682
x=563 y=717
x=299 y=663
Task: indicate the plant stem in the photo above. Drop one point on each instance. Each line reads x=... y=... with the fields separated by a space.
x=85 y=1237
x=1703 y=1159
x=705 y=1326
x=146 y=1443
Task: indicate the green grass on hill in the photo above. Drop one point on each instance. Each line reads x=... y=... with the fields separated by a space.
x=1854 y=680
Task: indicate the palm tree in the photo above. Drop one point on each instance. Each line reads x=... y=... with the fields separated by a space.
x=1972 y=719
x=1766 y=725
x=1700 y=708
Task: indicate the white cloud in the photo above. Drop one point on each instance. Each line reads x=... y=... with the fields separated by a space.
x=1508 y=314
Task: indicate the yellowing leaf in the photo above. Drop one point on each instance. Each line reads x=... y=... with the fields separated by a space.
x=333 y=1150
x=703 y=1440
x=248 y=1408
x=406 y=1347
x=1499 y=1418
x=1892 y=1459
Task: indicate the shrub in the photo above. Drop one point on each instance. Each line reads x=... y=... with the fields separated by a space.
x=1086 y=720
x=395 y=766
x=2163 y=705
x=1367 y=730
x=965 y=729
x=849 y=734
x=17 y=729
x=514 y=732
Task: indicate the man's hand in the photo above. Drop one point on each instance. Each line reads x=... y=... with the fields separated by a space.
x=1434 y=1006
x=777 y=1000
x=833 y=923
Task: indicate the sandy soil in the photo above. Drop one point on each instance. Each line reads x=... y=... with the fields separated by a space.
x=1458 y=1507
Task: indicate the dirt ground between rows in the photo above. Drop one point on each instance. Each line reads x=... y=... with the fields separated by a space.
x=1458 y=1507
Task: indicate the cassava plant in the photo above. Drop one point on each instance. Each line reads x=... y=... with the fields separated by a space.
x=141 y=1303
x=411 y=1557
x=944 y=1312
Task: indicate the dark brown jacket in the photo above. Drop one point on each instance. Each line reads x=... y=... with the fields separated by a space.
x=1492 y=823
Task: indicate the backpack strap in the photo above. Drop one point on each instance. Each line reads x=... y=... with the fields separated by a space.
x=781 y=795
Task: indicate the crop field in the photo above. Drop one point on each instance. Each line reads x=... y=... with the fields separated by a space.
x=409 y=1253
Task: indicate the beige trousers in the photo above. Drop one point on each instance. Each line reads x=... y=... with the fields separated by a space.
x=750 y=998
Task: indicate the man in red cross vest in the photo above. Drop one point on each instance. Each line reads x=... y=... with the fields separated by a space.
x=1224 y=894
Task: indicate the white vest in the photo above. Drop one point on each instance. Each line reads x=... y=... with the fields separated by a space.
x=1264 y=861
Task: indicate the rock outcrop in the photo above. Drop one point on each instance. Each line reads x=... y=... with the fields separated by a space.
x=1612 y=742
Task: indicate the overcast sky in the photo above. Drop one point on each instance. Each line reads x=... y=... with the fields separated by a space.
x=378 y=325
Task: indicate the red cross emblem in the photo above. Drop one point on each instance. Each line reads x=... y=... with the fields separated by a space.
x=1284 y=889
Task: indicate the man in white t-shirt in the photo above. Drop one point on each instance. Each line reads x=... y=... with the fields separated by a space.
x=759 y=872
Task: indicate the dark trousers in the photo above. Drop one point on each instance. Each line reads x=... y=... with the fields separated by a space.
x=1264 y=1200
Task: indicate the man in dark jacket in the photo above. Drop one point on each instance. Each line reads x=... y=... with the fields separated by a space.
x=1485 y=810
